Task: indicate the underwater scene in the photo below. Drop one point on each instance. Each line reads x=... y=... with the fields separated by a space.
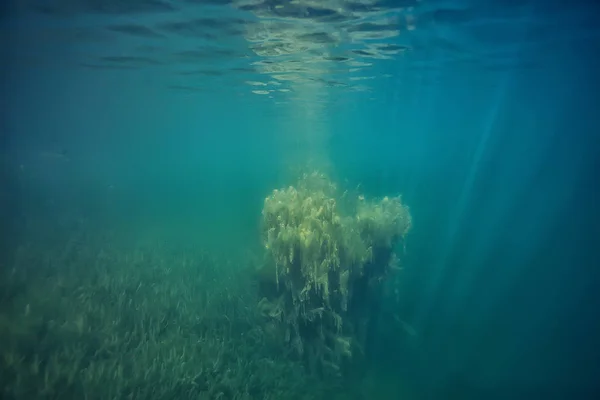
x=299 y=199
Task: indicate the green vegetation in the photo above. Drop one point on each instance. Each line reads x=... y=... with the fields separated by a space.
x=92 y=317
x=91 y=320
x=324 y=270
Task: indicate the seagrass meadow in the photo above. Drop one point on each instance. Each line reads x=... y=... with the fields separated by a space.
x=97 y=320
x=95 y=315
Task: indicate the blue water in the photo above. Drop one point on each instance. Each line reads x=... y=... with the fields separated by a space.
x=155 y=130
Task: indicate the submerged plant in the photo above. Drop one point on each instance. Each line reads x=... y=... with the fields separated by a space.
x=325 y=266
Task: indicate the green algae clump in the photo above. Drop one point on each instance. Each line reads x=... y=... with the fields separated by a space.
x=326 y=268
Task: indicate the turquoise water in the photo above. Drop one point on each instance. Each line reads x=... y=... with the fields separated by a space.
x=140 y=140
